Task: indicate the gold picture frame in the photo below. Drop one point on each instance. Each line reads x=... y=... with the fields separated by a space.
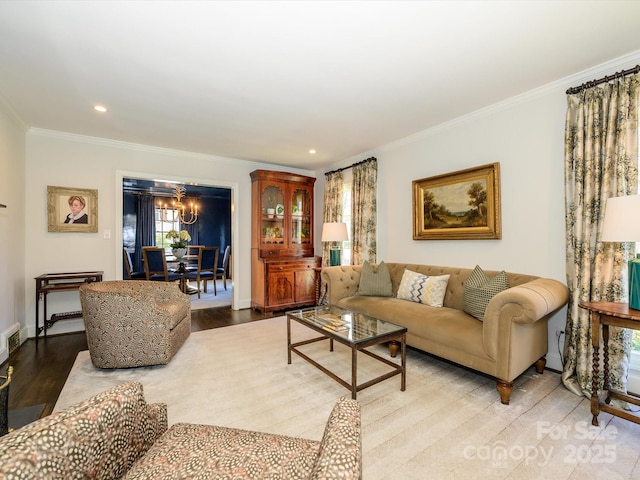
x=462 y=205
x=72 y=209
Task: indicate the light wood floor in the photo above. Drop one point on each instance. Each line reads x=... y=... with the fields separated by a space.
x=40 y=373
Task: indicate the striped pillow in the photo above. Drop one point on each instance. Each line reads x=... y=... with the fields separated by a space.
x=375 y=283
x=479 y=289
x=420 y=288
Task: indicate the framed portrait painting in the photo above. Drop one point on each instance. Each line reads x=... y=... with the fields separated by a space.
x=462 y=205
x=72 y=209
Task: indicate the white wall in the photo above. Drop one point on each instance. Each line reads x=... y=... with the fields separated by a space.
x=12 y=226
x=526 y=135
x=59 y=159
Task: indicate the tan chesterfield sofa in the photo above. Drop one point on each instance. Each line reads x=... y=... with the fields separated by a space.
x=134 y=323
x=118 y=435
x=512 y=337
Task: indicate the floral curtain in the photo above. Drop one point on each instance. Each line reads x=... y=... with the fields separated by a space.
x=364 y=211
x=332 y=207
x=601 y=161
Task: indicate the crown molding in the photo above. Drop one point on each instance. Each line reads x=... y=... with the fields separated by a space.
x=617 y=64
x=106 y=142
x=13 y=114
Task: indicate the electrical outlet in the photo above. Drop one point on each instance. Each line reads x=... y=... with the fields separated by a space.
x=559 y=332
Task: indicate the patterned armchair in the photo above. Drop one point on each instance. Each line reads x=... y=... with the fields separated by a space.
x=134 y=323
x=118 y=435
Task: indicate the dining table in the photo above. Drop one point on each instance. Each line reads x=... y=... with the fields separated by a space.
x=182 y=262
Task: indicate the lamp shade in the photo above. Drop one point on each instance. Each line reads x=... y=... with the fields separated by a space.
x=621 y=219
x=334 y=232
x=621 y=225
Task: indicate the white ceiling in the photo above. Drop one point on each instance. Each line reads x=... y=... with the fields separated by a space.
x=267 y=80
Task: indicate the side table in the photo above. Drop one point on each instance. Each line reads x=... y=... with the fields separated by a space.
x=607 y=314
x=59 y=282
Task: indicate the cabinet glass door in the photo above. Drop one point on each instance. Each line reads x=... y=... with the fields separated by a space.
x=273 y=230
x=301 y=216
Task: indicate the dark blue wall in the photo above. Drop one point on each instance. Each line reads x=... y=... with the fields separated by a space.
x=213 y=224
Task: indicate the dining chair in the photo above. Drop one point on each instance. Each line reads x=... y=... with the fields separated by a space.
x=207 y=266
x=192 y=250
x=155 y=265
x=221 y=272
x=128 y=265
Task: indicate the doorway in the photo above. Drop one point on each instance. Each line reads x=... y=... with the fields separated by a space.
x=214 y=226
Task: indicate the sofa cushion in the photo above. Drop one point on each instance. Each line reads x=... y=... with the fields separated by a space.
x=208 y=451
x=172 y=312
x=479 y=289
x=449 y=327
x=420 y=288
x=375 y=282
x=99 y=438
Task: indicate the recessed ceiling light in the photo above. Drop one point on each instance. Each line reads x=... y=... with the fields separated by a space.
x=312 y=151
x=100 y=108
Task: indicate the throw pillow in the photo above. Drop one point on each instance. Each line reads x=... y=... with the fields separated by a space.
x=420 y=288
x=375 y=282
x=479 y=289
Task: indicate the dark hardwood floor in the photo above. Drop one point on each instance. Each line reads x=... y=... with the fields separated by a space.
x=40 y=373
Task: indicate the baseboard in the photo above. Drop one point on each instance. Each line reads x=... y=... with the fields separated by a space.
x=4 y=336
x=62 y=326
x=554 y=361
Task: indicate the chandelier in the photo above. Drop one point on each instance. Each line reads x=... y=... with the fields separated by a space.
x=180 y=207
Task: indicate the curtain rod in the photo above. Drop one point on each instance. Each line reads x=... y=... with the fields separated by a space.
x=370 y=159
x=606 y=79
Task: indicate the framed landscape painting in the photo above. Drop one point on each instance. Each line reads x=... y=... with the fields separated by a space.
x=72 y=209
x=462 y=205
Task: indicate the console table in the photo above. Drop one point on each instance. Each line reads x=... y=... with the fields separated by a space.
x=59 y=282
x=607 y=314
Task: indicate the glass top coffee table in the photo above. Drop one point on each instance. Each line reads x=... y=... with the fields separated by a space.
x=356 y=331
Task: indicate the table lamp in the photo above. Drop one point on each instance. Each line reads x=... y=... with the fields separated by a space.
x=621 y=225
x=334 y=232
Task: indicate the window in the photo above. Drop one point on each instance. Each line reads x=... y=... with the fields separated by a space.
x=166 y=219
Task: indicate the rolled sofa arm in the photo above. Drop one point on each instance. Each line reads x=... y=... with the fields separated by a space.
x=536 y=299
x=523 y=304
x=341 y=282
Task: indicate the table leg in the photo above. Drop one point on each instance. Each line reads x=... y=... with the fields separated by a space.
x=354 y=370
x=44 y=319
x=288 y=340
x=37 y=316
x=403 y=375
x=605 y=362
x=595 y=342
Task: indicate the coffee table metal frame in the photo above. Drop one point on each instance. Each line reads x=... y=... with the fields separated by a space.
x=352 y=337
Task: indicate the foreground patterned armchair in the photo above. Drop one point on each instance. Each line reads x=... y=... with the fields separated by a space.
x=134 y=323
x=118 y=435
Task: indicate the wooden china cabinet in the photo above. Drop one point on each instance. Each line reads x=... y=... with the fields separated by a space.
x=283 y=264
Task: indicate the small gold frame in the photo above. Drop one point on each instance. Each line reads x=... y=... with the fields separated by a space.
x=58 y=209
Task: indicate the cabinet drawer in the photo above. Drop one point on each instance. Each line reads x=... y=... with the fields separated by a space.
x=282 y=267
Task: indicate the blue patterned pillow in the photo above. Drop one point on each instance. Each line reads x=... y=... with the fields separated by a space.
x=420 y=288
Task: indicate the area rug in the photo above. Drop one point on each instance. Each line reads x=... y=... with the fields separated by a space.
x=448 y=424
x=211 y=300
